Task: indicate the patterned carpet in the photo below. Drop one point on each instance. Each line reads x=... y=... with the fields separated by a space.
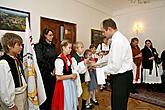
x=156 y=98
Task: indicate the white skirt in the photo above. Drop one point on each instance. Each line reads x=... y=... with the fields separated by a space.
x=151 y=78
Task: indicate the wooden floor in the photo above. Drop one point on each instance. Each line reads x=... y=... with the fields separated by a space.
x=133 y=104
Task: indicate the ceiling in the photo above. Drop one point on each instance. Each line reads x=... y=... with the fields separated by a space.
x=110 y=6
x=122 y=4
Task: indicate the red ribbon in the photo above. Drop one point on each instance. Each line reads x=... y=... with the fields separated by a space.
x=64 y=57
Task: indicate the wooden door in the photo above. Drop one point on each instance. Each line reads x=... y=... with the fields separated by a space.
x=69 y=30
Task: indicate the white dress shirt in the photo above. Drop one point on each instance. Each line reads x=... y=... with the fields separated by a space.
x=120 y=56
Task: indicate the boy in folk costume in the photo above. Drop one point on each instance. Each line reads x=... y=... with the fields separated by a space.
x=79 y=63
x=65 y=94
x=12 y=82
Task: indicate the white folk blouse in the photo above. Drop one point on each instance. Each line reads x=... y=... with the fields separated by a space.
x=7 y=85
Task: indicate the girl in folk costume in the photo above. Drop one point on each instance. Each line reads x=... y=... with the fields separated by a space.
x=137 y=59
x=92 y=47
x=104 y=47
x=65 y=94
x=12 y=81
x=103 y=51
x=92 y=86
x=150 y=68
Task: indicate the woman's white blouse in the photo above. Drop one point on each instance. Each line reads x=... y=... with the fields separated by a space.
x=59 y=66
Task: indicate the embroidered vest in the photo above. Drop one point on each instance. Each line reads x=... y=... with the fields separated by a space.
x=14 y=71
x=77 y=57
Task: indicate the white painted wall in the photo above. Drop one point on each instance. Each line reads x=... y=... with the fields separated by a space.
x=153 y=19
x=72 y=11
x=89 y=15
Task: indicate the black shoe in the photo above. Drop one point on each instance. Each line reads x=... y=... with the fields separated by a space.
x=94 y=102
x=149 y=90
x=101 y=89
x=134 y=91
x=89 y=106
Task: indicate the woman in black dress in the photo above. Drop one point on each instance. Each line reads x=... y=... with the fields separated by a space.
x=46 y=55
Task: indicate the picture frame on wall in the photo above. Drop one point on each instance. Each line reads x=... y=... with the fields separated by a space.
x=12 y=19
x=96 y=37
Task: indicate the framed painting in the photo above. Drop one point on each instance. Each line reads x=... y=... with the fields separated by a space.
x=96 y=37
x=12 y=19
